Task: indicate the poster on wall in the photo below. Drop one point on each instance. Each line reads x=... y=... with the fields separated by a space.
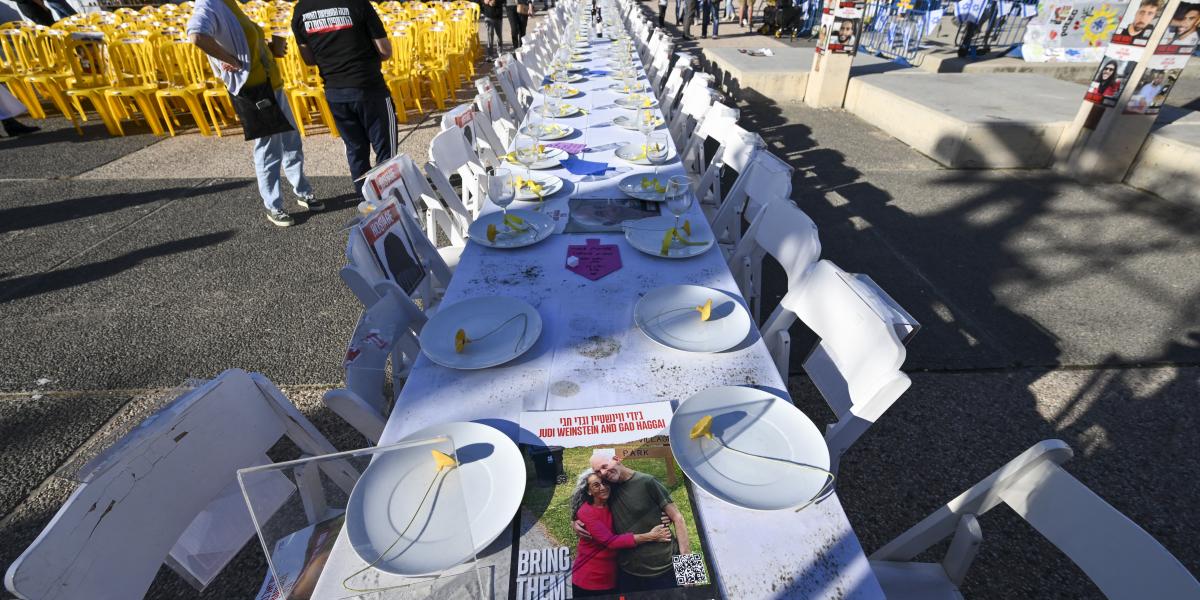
x=1182 y=36
x=610 y=472
x=1162 y=71
x=1111 y=77
x=840 y=30
x=1071 y=31
x=1138 y=23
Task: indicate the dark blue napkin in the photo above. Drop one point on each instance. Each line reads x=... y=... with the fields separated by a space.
x=597 y=73
x=576 y=166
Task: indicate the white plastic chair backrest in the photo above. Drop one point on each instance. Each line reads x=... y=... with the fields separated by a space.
x=112 y=534
x=736 y=148
x=489 y=102
x=765 y=180
x=855 y=334
x=450 y=153
x=699 y=83
x=674 y=85
x=717 y=116
x=783 y=231
x=478 y=131
x=518 y=103
x=1121 y=558
x=445 y=215
x=390 y=324
x=692 y=107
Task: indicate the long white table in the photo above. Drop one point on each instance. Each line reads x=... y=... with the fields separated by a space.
x=591 y=354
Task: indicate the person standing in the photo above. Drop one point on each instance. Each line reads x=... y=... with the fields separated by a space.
x=711 y=10
x=346 y=40
x=662 y=12
x=10 y=109
x=36 y=11
x=493 y=15
x=689 y=17
x=238 y=54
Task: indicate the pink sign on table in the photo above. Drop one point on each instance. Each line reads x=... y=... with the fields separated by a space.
x=595 y=260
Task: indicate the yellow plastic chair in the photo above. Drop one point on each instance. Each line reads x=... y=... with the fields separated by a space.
x=305 y=93
x=49 y=71
x=433 y=66
x=185 y=66
x=134 y=78
x=399 y=73
x=14 y=68
x=90 y=78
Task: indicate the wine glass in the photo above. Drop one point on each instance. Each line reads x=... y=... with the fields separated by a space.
x=645 y=122
x=679 y=198
x=501 y=191
x=656 y=151
x=527 y=151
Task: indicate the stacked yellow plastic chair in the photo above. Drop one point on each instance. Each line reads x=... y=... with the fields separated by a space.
x=13 y=68
x=302 y=84
x=134 y=78
x=399 y=72
x=49 y=71
x=90 y=79
x=433 y=63
x=186 y=82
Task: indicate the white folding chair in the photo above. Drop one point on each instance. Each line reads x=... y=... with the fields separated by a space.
x=717 y=116
x=784 y=232
x=698 y=84
x=519 y=97
x=735 y=150
x=673 y=86
x=493 y=106
x=767 y=179
x=410 y=262
x=477 y=128
x=157 y=493
x=856 y=363
x=693 y=105
x=451 y=154
x=1124 y=561
x=387 y=328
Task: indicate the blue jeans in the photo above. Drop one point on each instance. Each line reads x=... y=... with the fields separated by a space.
x=280 y=149
x=710 y=9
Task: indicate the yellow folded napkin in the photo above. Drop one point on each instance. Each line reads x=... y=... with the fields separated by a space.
x=705 y=310
x=674 y=234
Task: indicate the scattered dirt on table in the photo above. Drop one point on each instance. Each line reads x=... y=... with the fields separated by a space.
x=564 y=388
x=596 y=347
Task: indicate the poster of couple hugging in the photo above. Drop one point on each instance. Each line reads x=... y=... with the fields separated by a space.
x=607 y=512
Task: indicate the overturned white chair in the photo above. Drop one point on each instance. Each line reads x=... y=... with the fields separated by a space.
x=168 y=491
x=1124 y=561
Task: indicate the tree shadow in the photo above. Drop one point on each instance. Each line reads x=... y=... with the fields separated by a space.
x=70 y=209
x=41 y=283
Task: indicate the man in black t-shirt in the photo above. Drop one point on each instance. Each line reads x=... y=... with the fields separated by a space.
x=347 y=42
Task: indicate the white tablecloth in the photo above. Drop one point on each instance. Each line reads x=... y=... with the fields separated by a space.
x=591 y=354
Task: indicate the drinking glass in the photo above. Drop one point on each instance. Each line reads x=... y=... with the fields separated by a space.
x=527 y=152
x=645 y=122
x=500 y=189
x=679 y=198
x=656 y=151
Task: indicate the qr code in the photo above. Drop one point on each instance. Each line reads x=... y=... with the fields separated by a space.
x=689 y=569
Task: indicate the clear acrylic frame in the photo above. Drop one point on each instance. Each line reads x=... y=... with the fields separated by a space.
x=378 y=523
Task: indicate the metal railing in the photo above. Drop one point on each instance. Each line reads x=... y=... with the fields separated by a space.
x=897 y=28
x=993 y=25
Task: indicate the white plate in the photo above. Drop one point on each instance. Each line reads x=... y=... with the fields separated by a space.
x=550 y=185
x=757 y=422
x=635 y=101
x=632 y=186
x=646 y=235
x=628 y=122
x=571 y=78
x=621 y=89
x=551 y=158
x=388 y=496
x=668 y=316
x=539 y=227
x=479 y=316
x=633 y=153
x=566 y=109
x=492 y=473
x=550 y=132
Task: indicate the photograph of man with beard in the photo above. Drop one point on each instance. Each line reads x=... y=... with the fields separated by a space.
x=638 y=503
x=1139 y=25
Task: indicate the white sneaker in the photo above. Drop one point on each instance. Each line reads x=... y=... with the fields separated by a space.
x=280 y=218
